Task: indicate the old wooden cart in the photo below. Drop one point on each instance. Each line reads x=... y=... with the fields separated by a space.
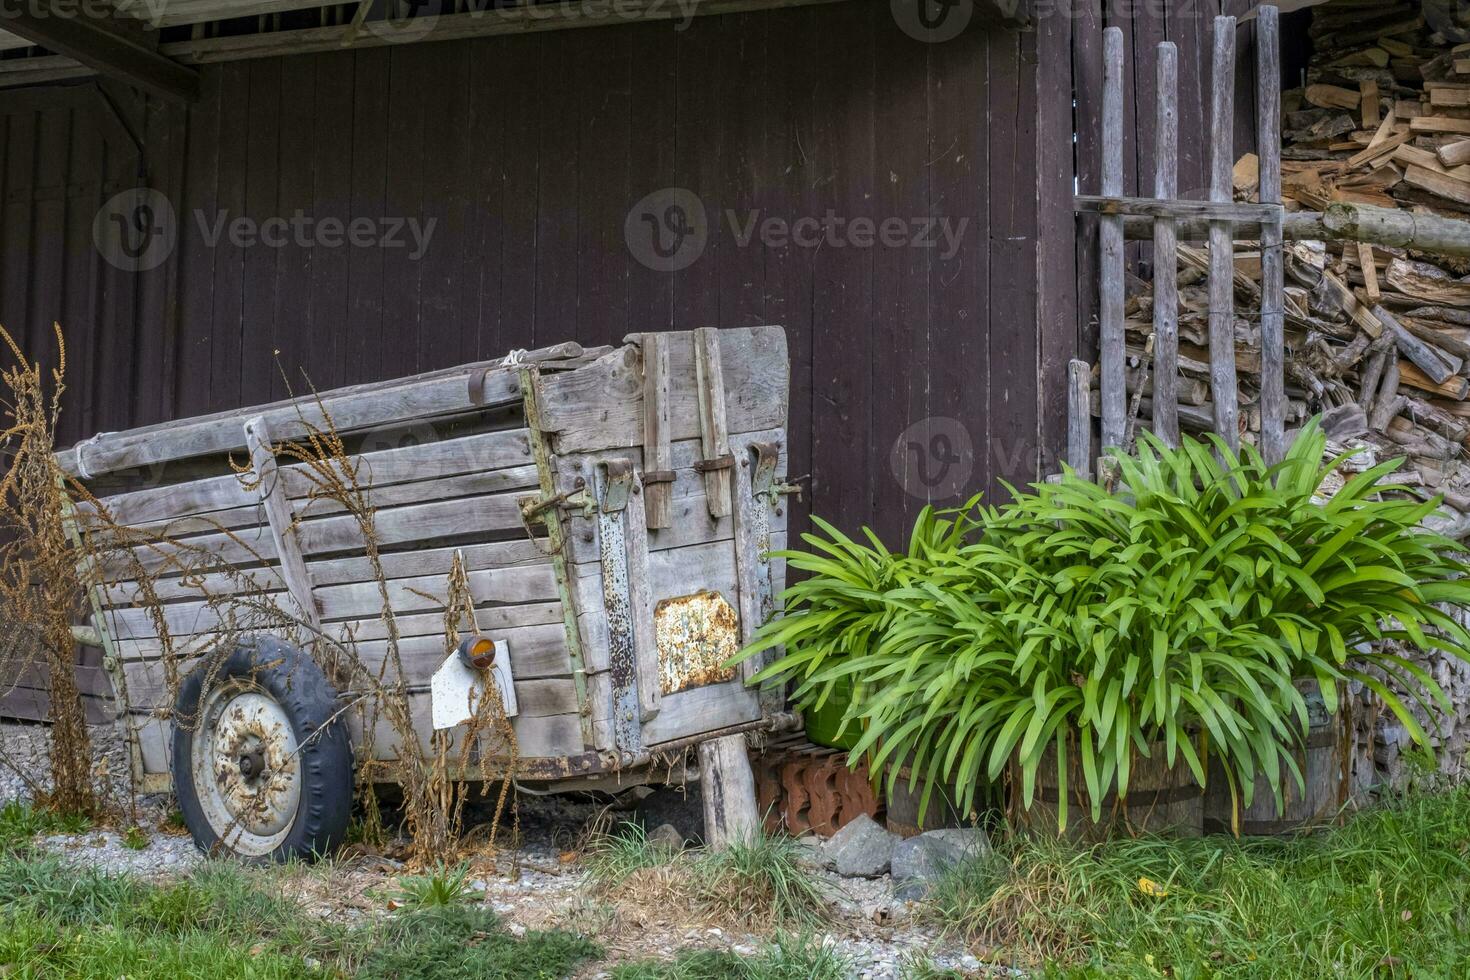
x=613 y=509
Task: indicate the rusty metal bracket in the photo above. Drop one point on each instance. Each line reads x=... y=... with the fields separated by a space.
x=658 y=476
x=613 y=479
x=616 y=480
x=714 y=465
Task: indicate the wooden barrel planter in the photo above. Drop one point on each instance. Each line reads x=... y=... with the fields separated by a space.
x=1326 y=764
x=903 y=807
x=1161 y=799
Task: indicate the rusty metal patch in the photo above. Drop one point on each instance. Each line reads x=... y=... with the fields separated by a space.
x=695 y=636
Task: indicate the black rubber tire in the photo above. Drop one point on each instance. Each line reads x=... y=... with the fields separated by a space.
x=309 y=701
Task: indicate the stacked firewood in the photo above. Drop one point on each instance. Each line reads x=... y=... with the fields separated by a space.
x=1378 y=337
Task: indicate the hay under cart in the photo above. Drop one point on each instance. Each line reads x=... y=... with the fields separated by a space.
x=261 y=578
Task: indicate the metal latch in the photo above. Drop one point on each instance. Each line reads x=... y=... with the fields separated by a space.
x=532 y=507
x=617 y=479
x=763 y=476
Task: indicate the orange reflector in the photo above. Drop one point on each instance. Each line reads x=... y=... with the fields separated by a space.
x=477 y=652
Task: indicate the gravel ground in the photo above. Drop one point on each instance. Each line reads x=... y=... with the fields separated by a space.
x=532 y=887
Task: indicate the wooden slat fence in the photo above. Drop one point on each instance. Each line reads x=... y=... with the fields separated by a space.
x=1224 y=216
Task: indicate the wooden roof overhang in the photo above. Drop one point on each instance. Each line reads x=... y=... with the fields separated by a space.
x=155 y=45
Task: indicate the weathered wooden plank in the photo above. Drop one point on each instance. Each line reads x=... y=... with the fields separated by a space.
x=601 y=406
x=1147 y=207
x=1079 y=418
x=537 y=736
x=281 y=519
x=535 y=652
x=349 y=409
x=1166 y=253
x=702 y=709
x=506 y=452
x=336 y=571
x=1222 y=250
x=511 y=586
x=419 y=522
x=186 y=619
x=1273 y=297
x=714 y=433
x=1110 y=288
x=657 y=455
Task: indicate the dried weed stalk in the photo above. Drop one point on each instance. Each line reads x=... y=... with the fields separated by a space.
x=40 y=585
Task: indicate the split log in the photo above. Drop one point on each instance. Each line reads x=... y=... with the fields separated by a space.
x=1435 y=363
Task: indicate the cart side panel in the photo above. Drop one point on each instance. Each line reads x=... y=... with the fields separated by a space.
x=660 y=610
x=435 y=493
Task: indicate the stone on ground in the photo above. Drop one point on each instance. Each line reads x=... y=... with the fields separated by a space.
x=920 y=861
x=667 y=835
x=862 y=849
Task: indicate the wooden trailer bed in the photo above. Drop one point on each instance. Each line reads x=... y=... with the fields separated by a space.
x=613 y=509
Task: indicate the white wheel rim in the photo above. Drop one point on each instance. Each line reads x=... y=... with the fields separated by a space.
x=245 y=768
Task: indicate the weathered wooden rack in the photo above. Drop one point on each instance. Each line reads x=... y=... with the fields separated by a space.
x=1224 y=219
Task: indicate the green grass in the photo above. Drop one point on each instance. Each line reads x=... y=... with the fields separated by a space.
x=614 y=858
x=787 y=958
x=457 y=941
x=224 y=920
x=1386 y=895
x=750 y=882
x=20 y=822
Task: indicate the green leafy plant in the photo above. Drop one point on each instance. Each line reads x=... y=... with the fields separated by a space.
x=1172 y=616
x=135 y=838
x=843 y=606
x=444 y=887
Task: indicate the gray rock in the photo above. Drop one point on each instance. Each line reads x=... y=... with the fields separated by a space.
x=919 y=861
x=862 y=849
x=667 y=835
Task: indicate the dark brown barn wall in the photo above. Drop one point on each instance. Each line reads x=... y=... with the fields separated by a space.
x=528 y=152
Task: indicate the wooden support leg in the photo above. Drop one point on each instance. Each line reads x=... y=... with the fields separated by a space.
x=728 y=788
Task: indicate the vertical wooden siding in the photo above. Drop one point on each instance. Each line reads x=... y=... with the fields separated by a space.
x=529 y=151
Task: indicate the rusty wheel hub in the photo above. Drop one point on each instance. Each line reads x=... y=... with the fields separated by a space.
x=246 y=769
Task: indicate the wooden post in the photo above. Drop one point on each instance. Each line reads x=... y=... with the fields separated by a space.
x=1166 y=252
x=1079 y=418
x=1110 y=288
x=1273 y=282
x=714 y=433
x=1222 y=245
x=658 y=457
x=282 y=522
x=727 y=786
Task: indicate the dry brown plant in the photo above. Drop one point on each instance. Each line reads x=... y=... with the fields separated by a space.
x=40 y=584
